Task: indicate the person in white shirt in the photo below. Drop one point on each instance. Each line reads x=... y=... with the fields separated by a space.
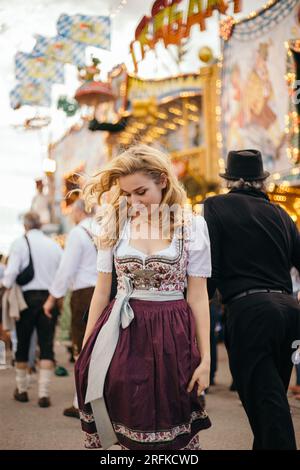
x=40 y=203
x=46 y=255
x=77 y=272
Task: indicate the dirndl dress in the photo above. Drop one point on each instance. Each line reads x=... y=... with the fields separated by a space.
x=145 y=385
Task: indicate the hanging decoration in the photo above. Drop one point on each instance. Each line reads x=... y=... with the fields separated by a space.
x=38 y=67
x=89 y=72
x=68 y=105
x=86 y=29
x=206 y=54
x=60 y=49
x=38 y=70
x=31 y=92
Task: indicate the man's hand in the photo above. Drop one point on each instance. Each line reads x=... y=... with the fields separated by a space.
x=298 y=297
x=48 y=306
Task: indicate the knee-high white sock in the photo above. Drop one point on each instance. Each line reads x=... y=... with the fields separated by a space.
x=44 y=382
x=21 y=380
x=75 y=401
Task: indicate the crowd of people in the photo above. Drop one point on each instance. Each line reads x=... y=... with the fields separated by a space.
x=153 y=289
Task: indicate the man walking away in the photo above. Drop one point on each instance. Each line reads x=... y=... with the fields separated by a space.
x=254 y=245
x=46 y=255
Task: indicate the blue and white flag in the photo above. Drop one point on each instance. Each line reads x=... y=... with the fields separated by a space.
x=32 y=93
x=86 y=29
x=38 y=67
x=60 y=49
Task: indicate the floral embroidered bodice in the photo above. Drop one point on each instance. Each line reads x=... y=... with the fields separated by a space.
x=166 y=270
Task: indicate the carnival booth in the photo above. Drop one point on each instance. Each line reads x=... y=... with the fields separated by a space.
x=259 y=99
x=178 y=115
x=78 y=154
x=284 y=189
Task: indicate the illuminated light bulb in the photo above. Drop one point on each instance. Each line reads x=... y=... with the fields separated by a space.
x=175 y=111
x=191 y=107
x=194 y=118
x=162 y=115
x=271 y=187
x=171 y=126
x=181 y=122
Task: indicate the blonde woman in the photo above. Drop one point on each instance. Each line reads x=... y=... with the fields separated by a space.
x=146 y=354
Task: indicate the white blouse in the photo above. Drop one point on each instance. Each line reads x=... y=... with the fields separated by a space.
x=199 y=256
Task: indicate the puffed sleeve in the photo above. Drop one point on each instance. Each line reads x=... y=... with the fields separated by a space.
x=105 y=260
x=199 y=257
x=105 y=256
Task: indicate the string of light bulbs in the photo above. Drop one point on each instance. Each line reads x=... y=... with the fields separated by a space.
x=117 y=9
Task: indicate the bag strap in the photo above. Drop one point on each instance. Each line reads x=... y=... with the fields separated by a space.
x=28 y=244
x=90 y=236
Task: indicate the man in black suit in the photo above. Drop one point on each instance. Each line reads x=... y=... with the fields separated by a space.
x=254 y=244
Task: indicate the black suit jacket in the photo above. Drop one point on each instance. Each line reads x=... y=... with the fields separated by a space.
x=254 y=243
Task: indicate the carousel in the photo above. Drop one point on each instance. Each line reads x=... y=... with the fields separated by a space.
x=177 y=115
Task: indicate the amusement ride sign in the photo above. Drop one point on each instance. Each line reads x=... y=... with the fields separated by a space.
x=169 y=23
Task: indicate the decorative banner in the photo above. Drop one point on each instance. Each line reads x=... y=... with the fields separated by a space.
x=167 y=23
x=38 y=67
x=32 y=93
x=159 y=90
x=255 y=97
x=61 y=49
x=89 y=30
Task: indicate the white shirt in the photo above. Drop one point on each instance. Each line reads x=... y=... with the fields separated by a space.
x=198 y=250
x=77 y=269
x=46 y=255
x=2 y=269
x=295 y=275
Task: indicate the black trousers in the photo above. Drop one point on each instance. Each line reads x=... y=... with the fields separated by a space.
x=259 y=332
x=32 y=318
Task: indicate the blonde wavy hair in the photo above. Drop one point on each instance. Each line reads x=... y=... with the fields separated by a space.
x=105 y=185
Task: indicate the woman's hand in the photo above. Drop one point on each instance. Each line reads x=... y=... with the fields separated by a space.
x=201 y=377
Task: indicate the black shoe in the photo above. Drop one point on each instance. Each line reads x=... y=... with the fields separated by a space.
x=232 y=387
x=44 y=402
x=70 y=351
x=22 y=397
x=71 y=412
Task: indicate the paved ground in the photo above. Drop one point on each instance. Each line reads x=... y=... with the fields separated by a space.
x=26 y=426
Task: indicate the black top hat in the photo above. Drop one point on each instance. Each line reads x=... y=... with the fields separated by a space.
x=246 y=164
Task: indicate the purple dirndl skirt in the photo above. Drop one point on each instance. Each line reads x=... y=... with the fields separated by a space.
x=146 y=385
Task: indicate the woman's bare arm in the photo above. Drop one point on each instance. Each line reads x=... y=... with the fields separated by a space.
x=197 y=299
